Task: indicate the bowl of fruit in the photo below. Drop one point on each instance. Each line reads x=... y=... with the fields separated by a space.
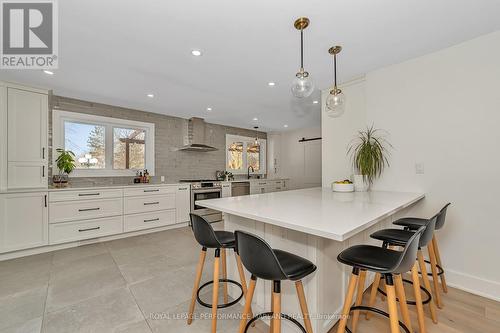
x=343 y=186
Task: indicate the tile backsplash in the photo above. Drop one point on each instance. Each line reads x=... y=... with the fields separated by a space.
x=169 y=131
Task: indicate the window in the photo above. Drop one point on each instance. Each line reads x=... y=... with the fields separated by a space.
x=244 y=152
x=104 y=146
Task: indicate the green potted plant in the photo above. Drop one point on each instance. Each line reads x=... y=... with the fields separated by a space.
x=66 y=164
x=369 y=152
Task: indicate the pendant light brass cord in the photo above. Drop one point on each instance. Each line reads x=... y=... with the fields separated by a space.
x=302 y=49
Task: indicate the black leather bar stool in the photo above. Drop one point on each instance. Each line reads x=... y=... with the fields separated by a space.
x=220 y=241
x=390 y=264
x=400 y=237
x=274 y=265
x=437 y=270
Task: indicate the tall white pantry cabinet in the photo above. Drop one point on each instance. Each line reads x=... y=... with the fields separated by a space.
x=23 y=164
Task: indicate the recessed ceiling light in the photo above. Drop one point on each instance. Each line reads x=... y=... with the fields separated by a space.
x=150 y=95
x=285 y=126
x=315 y=102
x=48 y=72
x=255 y=119
x=196 y=53
x=271 y=84
x=209 y=109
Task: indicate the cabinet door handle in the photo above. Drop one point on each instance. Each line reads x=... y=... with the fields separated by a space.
x=87 y=194
x=89 y=229
x=43 y=153
x=156 y=190
x=45 y=200
x=43 y=171
x=151 y=203
x=152 y=220
x=88 y=209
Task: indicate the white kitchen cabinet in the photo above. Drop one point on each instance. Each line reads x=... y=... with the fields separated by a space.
x=23 y=221
x=226 y=189
x=27 y=133
x=183 y=203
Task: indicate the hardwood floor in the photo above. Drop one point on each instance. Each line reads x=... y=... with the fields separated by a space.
x=462 y=313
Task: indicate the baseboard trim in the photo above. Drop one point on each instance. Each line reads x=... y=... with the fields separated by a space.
x=50 y=248
x=473 y=284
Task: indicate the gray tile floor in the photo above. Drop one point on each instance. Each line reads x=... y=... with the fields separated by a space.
x=137 y=284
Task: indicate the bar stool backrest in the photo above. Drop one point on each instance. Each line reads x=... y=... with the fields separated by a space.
x=409 y=253
x=203 y=232
x=428 y=233
x=258 y=257
x=441 y=216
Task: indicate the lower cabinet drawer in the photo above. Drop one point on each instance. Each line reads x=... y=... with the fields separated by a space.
x=86 y=209
x=148 y=220
x=133 y=205
x=78 y=230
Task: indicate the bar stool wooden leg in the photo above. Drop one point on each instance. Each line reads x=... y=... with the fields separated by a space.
x=243 y=280
x=359 y=299
x=271 y=322
x=248 y=304
x=403 y=306
x=199 y=272
x=439 y=262
x=435 y=277
x=215 y=293
x=392 y=304
x=277 y=306
x=373 y=294
x=427 y=284
x=418 y=299
x=303 y=306
x=224 y=273
x=344 y=315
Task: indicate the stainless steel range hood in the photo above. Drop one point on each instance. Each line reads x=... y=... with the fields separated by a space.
x=194 y=136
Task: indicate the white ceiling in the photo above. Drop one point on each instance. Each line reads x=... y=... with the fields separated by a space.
x=118 y=51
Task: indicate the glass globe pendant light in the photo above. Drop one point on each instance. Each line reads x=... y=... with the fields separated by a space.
x=302 y=86
x=335 y=102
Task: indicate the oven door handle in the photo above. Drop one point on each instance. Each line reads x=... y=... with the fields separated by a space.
x=219 y=190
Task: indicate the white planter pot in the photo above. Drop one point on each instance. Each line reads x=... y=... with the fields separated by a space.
x=360 y=185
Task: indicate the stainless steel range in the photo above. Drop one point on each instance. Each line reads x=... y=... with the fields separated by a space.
x=202 y=189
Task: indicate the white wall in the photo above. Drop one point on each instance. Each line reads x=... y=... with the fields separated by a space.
x=338 y=132
x=301 y=162
x=443 y=110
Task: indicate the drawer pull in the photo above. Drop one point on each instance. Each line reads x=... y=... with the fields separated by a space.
x=88 y=209
x=151 y=203
x=262 y=183
x=87 y=194
x=89 y=229
x=182 y=188
x=152 y=220
x=156 y=190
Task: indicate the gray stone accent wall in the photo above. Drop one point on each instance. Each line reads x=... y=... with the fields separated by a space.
x=169 y=131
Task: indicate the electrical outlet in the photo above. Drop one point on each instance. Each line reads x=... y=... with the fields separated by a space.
x=419 y=168
x=162 y=178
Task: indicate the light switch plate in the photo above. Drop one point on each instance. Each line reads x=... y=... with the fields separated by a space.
x=162 y=178
x=419 y=168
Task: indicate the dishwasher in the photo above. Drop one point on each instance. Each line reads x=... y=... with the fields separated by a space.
x=240 y=188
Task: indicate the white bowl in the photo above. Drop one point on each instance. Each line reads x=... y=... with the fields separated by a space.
x=343 y=187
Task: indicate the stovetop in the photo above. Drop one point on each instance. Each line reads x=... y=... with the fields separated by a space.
x=197 y=180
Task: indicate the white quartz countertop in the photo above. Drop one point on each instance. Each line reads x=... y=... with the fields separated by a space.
x=317 y=211
x=88 y=187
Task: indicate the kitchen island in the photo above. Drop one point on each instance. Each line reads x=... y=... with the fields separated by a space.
x=317 y=224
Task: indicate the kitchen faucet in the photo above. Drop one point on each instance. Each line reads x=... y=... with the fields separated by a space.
x=248 y=171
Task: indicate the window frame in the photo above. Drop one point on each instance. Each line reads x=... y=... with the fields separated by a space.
x=58 y=141
x=230 y=138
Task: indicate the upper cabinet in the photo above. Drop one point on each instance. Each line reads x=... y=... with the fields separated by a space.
x=245 y=153
x=25 y=112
